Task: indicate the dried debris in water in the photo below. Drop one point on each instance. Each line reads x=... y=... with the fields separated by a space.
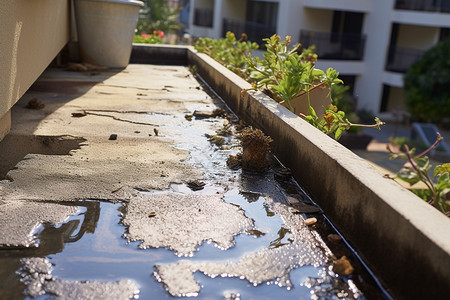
x=215 y=139
x=196 y=185
x=343 y=266
x=234 y=161
x=255 y=148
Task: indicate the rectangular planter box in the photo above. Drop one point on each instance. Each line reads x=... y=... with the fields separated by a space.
x=405 y=241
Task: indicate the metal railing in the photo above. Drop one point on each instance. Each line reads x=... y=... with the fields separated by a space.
x=401 y=58
x=335 y=45
x=424 y=5
x=204 y=17
x=255 y=32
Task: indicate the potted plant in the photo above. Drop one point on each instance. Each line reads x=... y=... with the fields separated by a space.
x=105 y=30
x=290 y=76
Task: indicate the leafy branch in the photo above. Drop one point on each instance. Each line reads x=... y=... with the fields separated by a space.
x=416 y=170
x=288 y=73
x=334 y=122
x=284 y=73
x=229 y=51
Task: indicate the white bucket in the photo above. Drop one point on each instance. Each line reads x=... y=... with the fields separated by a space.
x=105 y=30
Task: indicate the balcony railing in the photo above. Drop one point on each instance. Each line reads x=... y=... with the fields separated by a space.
x=203 y=17
x=335 y=45
x=401 y=58
x=255 y=32
x=424 y=5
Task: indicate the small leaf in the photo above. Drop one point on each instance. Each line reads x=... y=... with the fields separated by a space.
x=317 y=72
x=443 y=183
x=423 y=163
x=408 y=176
x=312 y=112
x=441 y=169
x=338 y=133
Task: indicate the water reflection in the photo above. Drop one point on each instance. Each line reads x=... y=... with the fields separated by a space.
x=281 y=235
x=52 y=240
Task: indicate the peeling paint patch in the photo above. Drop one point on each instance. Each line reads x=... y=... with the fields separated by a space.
x=183 y=222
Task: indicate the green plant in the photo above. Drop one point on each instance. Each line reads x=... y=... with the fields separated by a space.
x=416 y=170
x=285 y=72
x=157 y=15
x=427 y=85
x=334 y=122
x=288 y=73
x=229 y=52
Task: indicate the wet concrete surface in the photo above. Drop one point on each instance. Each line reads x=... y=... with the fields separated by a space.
x=132 y=212
x=182 y=222
x=19 y=219
x=36 y=274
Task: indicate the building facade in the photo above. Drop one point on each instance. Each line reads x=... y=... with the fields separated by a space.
x=370 y=42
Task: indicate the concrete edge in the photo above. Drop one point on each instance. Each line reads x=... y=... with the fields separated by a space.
x=404 y=240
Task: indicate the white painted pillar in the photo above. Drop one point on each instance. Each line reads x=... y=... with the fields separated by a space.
x=377 y=27
x=218 y=19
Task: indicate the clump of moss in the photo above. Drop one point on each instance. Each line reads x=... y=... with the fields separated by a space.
x=255 y=148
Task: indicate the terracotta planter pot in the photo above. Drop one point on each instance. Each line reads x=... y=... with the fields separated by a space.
x=318 y=98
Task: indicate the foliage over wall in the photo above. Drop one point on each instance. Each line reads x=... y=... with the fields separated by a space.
x=427 y=85
x=157 y=15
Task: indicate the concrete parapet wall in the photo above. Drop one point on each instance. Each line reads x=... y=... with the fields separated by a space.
x=405 y=241
x=32 y=34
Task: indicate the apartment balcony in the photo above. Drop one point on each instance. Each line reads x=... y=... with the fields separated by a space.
x=401 y=58
x=424 y=5
x=204 y=17
x=255 y=31
x=335 y=45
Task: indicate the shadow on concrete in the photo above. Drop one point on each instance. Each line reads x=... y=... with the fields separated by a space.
x=51 y=91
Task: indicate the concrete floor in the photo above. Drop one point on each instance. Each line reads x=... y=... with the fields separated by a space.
x=99 y=136
x=89 y=136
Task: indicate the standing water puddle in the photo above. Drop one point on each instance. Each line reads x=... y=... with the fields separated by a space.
x=237 y=235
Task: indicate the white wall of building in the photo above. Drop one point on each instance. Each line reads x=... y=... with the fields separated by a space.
x=417 y=30
x=377 y=26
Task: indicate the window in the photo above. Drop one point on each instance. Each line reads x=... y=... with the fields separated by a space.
x=262 y=12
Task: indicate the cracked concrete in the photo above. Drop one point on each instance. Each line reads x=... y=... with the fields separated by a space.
x=102 y=168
